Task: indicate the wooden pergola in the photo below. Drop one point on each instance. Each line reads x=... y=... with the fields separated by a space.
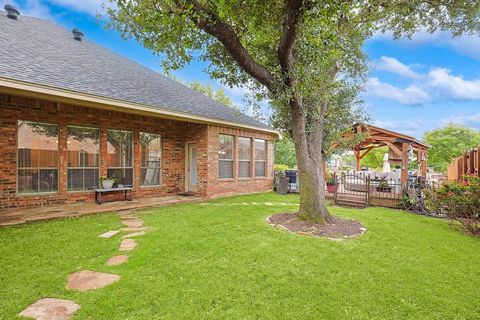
x=399 y=144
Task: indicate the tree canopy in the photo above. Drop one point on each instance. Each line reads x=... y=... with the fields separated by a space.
x=449 y=142
x=285 y=152
x=304 y=56
x=374 y=159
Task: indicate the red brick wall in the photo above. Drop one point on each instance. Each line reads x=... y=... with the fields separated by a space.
x=15 y=108
x=219 y=187
x=175 y=135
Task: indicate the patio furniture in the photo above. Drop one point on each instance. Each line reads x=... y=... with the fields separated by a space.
x=126 y=190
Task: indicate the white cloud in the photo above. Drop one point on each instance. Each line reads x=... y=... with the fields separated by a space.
x=412 y=95
x=412 y=128
x=41 y=9
x=449 y=86
x=31 y=8
x=472 y=120
x=467 y=45
x=392 y=65
x=437 y=84
x=91 y=7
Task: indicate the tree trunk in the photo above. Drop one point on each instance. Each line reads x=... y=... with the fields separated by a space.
x=310 y=166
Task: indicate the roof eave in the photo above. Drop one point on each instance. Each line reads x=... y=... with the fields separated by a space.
x=71 y=96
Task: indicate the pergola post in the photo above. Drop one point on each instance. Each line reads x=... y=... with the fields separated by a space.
x=404 y=175
x=357 y=157
x=423 y=159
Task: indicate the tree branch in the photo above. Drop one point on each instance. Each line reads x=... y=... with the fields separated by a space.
x=290 y=31
x=209 y=22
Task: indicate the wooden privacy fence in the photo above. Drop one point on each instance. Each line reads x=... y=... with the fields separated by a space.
x=468 y=164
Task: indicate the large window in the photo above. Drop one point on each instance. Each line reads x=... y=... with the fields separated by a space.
x=37 y=157
x=225 y=156
x=83 y=147
x=120 y=156
x=244 y=157
x=260 y=157
x=151 y=167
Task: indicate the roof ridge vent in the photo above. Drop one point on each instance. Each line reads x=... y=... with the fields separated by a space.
x=77 y=34
x=12 y=12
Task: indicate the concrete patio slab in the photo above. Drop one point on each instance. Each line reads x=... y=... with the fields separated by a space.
x=50 y=309
x=13 y=216
x=89 y=280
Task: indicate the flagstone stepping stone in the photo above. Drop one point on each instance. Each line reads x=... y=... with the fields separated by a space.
x=109 y=234
x=127 y=245
x=133 y=229
x=89 y=280
x=50 y=309
x=133 y=223
x=268 y=204
x=125 y=218
x=116 y=260
x=135 y=234
x=124 y=212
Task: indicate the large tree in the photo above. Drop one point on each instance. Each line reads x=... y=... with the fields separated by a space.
x=304 y=56
x=449 y=142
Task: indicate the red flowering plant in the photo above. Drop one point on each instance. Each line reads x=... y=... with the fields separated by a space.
x=459 y=202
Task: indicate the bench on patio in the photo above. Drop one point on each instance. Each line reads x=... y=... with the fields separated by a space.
x=127 y=190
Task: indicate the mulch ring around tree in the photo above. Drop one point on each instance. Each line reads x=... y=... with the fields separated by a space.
x=338 y=229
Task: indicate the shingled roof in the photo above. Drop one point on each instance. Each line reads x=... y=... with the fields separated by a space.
x=41 y=52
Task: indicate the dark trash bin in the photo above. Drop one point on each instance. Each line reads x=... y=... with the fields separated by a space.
x=283 y=185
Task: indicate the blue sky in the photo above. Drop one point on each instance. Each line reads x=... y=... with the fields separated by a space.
x=414 y=85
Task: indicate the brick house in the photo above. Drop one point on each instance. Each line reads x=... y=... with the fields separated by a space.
x=72 y=111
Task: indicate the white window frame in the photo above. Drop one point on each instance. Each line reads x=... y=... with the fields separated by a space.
x=232 y=160
x=263 y=161
x=38 y=168
x=245 y=160
x=83 y=168
x=160 y=165
x=133 y=155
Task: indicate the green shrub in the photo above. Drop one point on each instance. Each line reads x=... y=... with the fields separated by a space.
x=460 y=202
x=280 y=167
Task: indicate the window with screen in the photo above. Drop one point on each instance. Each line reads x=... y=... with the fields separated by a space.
x=120 y=156
x=151 y=165
x=244 y=157
x=260 y=157
x=225 y=156
x=83 y=145
x=37 y=154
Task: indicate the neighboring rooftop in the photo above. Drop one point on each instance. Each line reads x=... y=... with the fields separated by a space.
x=41 y=52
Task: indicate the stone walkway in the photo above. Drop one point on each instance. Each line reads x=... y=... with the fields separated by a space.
x=85 y=280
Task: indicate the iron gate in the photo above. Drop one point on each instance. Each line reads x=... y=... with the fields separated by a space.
x=352 y=190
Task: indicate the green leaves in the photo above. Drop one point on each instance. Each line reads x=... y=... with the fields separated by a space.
x=449 y=142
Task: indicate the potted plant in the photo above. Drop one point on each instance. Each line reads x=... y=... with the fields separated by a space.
x=331 y=184
x=107 y=183
x=383 y=185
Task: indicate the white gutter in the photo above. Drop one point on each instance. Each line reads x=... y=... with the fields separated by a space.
x=27 y=87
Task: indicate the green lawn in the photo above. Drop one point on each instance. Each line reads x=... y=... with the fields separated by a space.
x=222 y=260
